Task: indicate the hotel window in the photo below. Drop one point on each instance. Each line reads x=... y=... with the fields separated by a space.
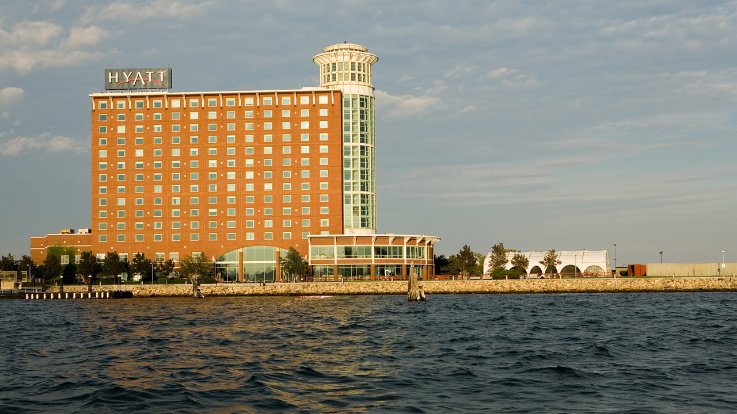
x=194 y=127
x=249 y=224
x=121 y=201
x=212 y=102
x=249 y=175
x=175 y=225
x=194 y=201
x=212 y=188
x=267 y=138
x=286 y=186
x=102 y=178
x=267 y=174
x=157 y=237
x=139 y=152
x=157 y=200
x=120 y=165
x=285 y=113
x=102 y=166
x=176 y=212
x=194 y=212
x=305 y=222
x=121 y=189
x=286 y=137
x=230 y=175
x=121 y=214
x=267 y=126
x=267 y=162
x=268 y=223
x=323 y=185
x=194 y=103
x=229 y=101
x=212 y=236
x=267 y=101
x=102 y=226
x=103 y=141
x=193 y=152
x=175 y=116
x=230 y=151
x=324 y=222
x=175 y=188
x=157 y=152
x=139 y=225
x=212 y=151
x=304 y=149
x=139 y=237
x=304 y=125
x=212 y=115
x=102 y=153
x=286 y=125
x=212 y=200
x=287 y=235
x=304 y=137
x=248 y=101
x=323 y=149
x=305 y=198
x=323 y=124
x=267 y=151
x=157 y=176
x=304 y=112
x=212 y=127
x=120 y=141
x=230 y=224
x=175 y=152
x=269 y=211
x=212 y=163
x=286 y=174
x=194 y=115
x=157 y=116
x=194 y=236
x=230 y=187
x=139 y=201
x=287 y=223
x=230 y=139
x=194 y=225
x=249 y=138
x=157 y=103
x=286 y=149
x=304 y=100
x=103 y=117
x=231 y=163
x=138 y=117
x=102 y=214
x=249 y=236
x=268 y=235
x=305 y=210
x=213 y=212
x=323 y=112
x=268 y=199
x=249 y=162
x=323 y=198
x=212 y=139
x=286 y=198
x=286 y=162
x=176 y=237
x=230 y=114
x=194 y=176
x=121 y=237
x=230 y=200
x=175 y=176
x=102 y=105
x=249 y=211
x=231 y=236
x=157 y=128
x=230 y=212
x=285 y=100
x=138 y=189
x=305 y=186
x=324 y=210
x=305 y=174
x=287 y=211
x=322 y=99
x=175 y=128
x=194 y=164
x=103 y=129
x=250 y=199
x=249 y=126
x=120 y=104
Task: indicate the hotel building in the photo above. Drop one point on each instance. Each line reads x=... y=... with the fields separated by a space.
x=242 y=176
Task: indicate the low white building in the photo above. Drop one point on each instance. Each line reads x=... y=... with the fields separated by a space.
x=572 y=263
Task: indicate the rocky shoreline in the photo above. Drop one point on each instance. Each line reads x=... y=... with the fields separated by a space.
x=580 y=285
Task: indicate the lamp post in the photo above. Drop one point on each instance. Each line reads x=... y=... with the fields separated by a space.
x=615 y=258
x=153 y=273
x=661 y=257
x=723 y=264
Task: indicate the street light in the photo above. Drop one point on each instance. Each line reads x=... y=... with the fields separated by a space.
x=723 y=264
x=615 y=258
x=661 y=257
x=152 y=273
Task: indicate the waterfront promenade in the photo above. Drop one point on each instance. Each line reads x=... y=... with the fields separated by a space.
x=579 y=285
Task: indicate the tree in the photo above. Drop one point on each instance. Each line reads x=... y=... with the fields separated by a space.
x=7 y=263
x=69 y=273
x=165 y=267
x=27 y=263
x=466 y=261
x=112 y=266
x=88 y=265
x=441 y=265
x=520 y=261
x=141 y=265
x=193 y=267
x=498 y=259
x=550 y=260
x=294 y=265
x=52 y=268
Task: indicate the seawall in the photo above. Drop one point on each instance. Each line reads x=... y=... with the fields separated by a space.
x=582 y=285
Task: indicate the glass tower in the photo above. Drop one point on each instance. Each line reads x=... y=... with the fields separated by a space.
x=347 y=67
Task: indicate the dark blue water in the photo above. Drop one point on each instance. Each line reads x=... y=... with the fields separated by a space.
x=639 y=353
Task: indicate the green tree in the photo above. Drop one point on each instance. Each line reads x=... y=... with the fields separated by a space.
x=27 y=263
x=88 y=266
x=293 y=265
x=520 y=261
x=52 y=268
x=112 y=266
x=61 y=251
x=498 y=259
x=141 y=265
x=466 y=261
x=7 y=263
x=195 y=267
x=550 y=260
x=441 y=265
x=165 y=268
x=69 y=273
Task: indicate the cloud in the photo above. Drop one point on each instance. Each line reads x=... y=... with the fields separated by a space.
x=512 y=77
x=9 y=95
x=44 y=142
x=405 y=105
x=32 y=45
x=157 y=9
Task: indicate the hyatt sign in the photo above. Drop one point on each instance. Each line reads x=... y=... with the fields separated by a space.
x=128 y=79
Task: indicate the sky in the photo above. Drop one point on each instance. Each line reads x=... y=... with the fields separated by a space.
x=560 y=125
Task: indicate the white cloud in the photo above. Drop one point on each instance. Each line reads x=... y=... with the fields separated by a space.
x=152 y=9
x=9 y=95
x=85 y=36
x=31 y=45
x=405 y=105
x=512 y=77
x=44 y=142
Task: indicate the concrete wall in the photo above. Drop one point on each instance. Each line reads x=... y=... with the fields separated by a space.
x=583 y=285
x=691 y=269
